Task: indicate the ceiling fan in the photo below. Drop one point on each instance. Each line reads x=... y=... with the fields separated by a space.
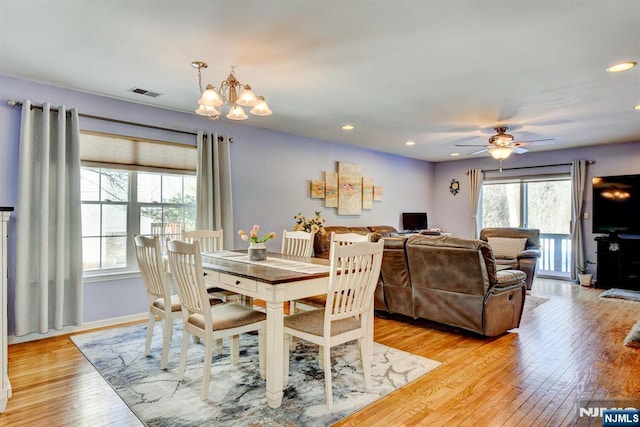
x=502 y=144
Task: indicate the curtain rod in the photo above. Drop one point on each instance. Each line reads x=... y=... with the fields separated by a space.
x=589 y=162
x=13 y=103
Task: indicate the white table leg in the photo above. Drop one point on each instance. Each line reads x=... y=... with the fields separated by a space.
x=275 y=353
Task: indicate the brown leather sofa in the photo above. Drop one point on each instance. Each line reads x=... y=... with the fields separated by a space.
x=321 y=243
x=451 y=281
x=527 y=260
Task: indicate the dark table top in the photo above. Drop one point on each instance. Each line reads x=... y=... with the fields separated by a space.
x=264 y=273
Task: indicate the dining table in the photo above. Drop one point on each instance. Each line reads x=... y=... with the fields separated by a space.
x=276 y=280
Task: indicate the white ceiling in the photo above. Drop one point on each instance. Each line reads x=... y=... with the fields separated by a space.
x=436 y=72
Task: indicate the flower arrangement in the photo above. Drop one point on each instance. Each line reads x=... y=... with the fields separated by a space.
x=253 y=237
x=312 y=224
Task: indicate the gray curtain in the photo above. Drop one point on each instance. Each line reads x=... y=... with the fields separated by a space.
x=214 y=201
x=475 y=189
x=48 y=286
x=578 y=180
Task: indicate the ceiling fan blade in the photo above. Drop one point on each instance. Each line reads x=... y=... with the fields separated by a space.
x=472 y=145
x=519 y=150
x=547 y=141
x=477 y=152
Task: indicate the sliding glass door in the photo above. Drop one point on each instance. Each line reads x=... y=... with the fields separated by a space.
x=534 y=202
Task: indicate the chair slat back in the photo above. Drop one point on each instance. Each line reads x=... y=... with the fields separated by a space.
x=210 y=240
x=298 y=243
x=149 y=256
x=355 y=270
x=349 y=238
x=186 y=267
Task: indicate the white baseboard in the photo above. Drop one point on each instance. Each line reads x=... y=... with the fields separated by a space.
x=12 y=339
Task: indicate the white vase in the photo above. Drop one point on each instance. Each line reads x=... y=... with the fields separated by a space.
x=257 y=252
x=585 y=279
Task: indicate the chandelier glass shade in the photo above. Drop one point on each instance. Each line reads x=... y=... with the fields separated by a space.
x=230 y=92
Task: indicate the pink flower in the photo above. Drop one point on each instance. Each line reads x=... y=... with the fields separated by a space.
x=244 y=237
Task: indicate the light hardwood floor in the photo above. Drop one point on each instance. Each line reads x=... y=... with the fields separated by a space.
x=567 y=349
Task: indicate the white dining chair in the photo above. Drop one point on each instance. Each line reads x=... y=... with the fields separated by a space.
x=209 y=323
x=161 y=302
x=298 y=243
x=212 y=241
x=318 y=301
x=346 y=315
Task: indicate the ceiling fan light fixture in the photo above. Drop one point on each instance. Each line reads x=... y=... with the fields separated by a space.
x=500 y=153
x=637 y=107
x=622 y=66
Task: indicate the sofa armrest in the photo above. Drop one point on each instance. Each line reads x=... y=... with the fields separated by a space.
x=507 y=278
x=530 y=253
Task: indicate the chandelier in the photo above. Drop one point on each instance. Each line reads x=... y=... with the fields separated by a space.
x=213 y=99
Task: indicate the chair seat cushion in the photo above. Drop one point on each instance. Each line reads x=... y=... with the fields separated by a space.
x=176 y=306
x=228 y=316
x=175 y=303
x=312 y=322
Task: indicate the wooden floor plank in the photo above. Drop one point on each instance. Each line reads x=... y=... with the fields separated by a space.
x=567 y=349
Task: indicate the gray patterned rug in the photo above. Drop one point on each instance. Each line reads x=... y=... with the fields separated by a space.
x=621 y=293
x=237 y=394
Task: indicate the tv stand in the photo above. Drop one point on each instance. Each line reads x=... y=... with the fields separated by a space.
x=618 y=259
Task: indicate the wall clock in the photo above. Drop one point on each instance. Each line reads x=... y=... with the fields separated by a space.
x=454 y=187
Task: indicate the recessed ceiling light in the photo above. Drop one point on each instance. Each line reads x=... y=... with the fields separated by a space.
x=623 y=66
x=455 y=154
x=348 y=127
x=409 y=143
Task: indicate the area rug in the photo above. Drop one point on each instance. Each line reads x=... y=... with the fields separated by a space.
x=633 y=337
x=532 y=302
x=237 y=394
x=621 y=293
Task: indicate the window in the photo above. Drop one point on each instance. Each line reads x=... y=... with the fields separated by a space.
x=117 y=204
x=128 y=187
x=543 y=203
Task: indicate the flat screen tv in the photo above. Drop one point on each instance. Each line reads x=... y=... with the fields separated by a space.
x=616 y=204
x=414 y=221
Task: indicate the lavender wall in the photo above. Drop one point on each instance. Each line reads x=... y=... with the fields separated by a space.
x=454 y=213
x=271 y=173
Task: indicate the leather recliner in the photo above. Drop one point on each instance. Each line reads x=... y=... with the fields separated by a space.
x=451 y=281
x=527 y=260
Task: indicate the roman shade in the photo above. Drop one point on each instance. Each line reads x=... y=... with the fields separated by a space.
x=136 y=153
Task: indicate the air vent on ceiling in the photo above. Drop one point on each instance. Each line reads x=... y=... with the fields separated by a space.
x=145 y=92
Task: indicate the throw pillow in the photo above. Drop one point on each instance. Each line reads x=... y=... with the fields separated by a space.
x=633 y=338
x=507 y=247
